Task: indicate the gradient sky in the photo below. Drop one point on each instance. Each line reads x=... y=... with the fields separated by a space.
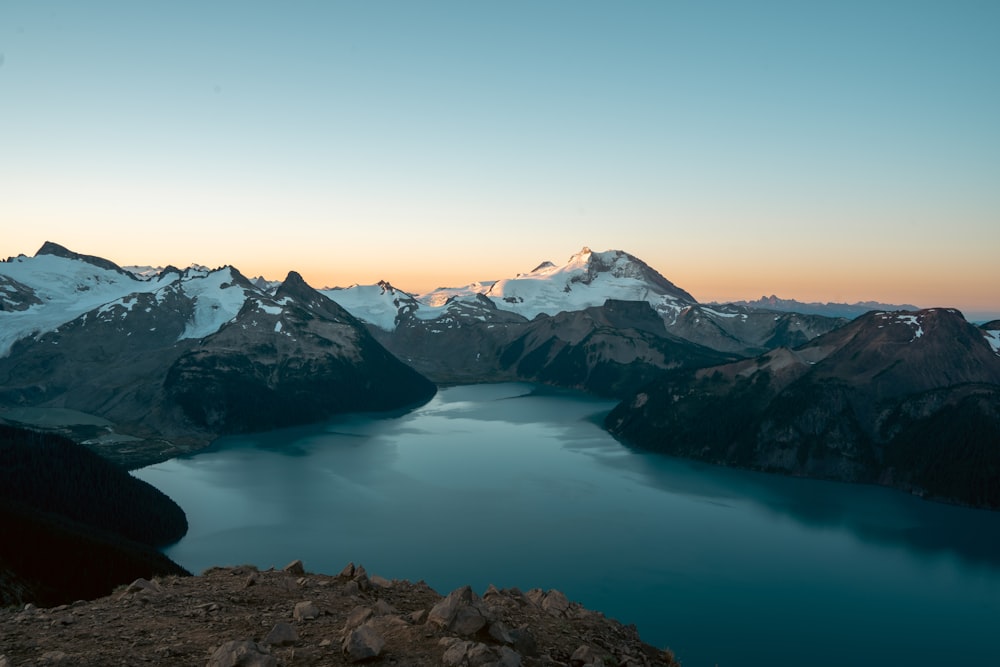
x=817 y=150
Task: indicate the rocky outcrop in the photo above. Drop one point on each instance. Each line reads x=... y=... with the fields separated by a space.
x=183 y=620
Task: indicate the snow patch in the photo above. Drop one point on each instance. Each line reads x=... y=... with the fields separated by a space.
x=993 y=338
x=216 y=301
x=270 y=310
x=913 y=321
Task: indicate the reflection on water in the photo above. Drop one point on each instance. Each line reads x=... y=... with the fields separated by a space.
x=518 y=485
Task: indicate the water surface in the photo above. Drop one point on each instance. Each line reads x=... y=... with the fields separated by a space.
x=517 y=485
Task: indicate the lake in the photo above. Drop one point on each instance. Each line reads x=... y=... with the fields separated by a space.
x=518 y=485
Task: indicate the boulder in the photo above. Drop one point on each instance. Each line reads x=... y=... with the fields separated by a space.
x=305 y=611
x=555 y=603
x=509 y=657
x=295 y=567
x=362 y=643
x=282 y=634
x=383 y=608
x=461 y=612
x=358 y=617
x=241 y=654
x=584 y=655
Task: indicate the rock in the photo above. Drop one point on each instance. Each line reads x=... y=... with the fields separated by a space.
x=142 y=588
x=474 y=654
x=295 y=567
x=509 y=657
x=584 y=655
x=241 y=654
x=358 y=617
x=555 y=603
x=379 y=582
x=305 y=611
x=417 y=617
x=282 y=634
x=535 y=596
x=362 y=643
x=454 y=655
x=524 y=642
x=461 y=612
x=383 y=608
x=54 y=658
x=479 y=654
x=467 y=621
x=348 y=571
x=499 y=631
x=250 y=580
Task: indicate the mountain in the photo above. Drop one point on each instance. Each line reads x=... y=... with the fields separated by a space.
x=609 y=350
x=142 y=369
x=481 y=332
x=293 y=358
x=75 y=524
x=587 y=279
x=905 y=399
x=830 y=309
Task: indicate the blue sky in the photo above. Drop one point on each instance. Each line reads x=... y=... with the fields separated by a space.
x=817 y=150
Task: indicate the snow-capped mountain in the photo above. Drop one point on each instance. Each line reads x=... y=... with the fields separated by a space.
x=174 y=359
x=587 y=279
x=39 y=293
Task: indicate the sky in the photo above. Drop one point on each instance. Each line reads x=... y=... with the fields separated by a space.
x=822 y=151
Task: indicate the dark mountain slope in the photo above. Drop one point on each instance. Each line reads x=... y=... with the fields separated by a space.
x=609 y=350
x=296 y=358
x=904 y=399
x=74 y=524
x=57 y=476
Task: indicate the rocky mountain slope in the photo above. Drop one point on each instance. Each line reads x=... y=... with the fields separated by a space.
x=910 y=400
x=242 y=616
x=147 y=364
x=156 y=366
x=568 y=325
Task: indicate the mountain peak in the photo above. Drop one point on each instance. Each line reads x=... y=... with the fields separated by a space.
x=56 y=250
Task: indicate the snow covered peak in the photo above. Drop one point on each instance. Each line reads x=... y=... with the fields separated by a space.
x=380 y=304
x=587 y=279
x=60 y=286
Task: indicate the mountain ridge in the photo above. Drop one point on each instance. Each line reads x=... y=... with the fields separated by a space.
x=904 y=399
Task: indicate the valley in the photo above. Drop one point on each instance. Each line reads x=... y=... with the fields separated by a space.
x=164 y=370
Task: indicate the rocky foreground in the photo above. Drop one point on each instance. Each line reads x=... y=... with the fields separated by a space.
x=243 y=616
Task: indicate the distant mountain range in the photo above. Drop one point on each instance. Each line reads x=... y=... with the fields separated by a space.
x=143 y=364
x=846 y=310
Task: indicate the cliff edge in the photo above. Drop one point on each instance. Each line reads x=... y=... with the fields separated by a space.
x=243 y=616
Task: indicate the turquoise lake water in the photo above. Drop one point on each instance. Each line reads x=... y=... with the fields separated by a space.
x=518 y=485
